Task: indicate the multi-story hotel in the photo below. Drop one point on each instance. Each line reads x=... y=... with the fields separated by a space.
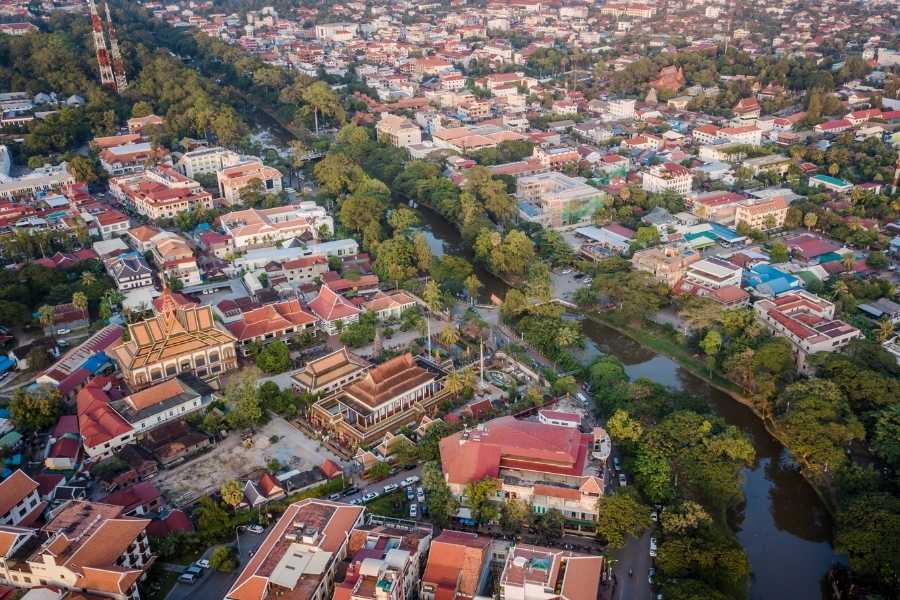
x=301 y=554
x=398 y=131
x=762 y=214
x=254 y=228
x=90 y=548
x=179 y=339
x=160 y=192
x=389 y=396
x=807 y=322
x=536 y=573
x=667 y=177
x=234 y=179
x=546 y=466
x=666 y=263
x=556 y=200
x=206 y=161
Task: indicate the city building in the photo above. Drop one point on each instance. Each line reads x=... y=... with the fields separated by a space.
x=713 y=273
x=277 y=321
x=807 y=322
x=305 y=269
x=833 y=184
x=667 y=264
x=19 y=500
x=668 y=176
x=175 y=259
x=557 y=200
x=458 y=566
x=206 y=161
x=536 y=573
x=130 y=158
x=49 y=178
x=762 y=215
x=333 y=310
x=398 y=131
x=255 y=228
x=395 y=393
x=106 y=425
x=719 y=206
x=385 y=561
x=87 y=548
x=770 y=163
x=328 y=374
x=160 y=193
x=301 y=553
x=178 y=339
x=234 y=179
x=546 y=466
x=129 y=271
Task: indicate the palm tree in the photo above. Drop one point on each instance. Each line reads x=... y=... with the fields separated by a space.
x=885 y=330
x=567 y=337
x=454 y=383
x=449 y=335
x=848 y=261
x=468 y=379
x=321 y=99
x=88 y=279
x=79 y=300
x=45 y=315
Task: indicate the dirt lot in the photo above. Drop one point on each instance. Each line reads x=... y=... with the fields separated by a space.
x=230 y=460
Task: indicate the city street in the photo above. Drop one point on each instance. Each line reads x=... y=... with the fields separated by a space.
x=213 y=585
x=635 y=556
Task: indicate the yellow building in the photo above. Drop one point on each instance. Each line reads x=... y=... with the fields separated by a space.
x=179 y=339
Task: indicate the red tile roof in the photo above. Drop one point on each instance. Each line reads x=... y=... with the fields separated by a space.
x=97 y=420
x=14 y=489
x=271 y=318
x=328 y=305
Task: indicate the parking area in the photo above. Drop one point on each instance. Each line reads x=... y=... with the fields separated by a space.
x=277 y=440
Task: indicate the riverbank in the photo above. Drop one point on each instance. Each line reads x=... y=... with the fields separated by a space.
x=697 y=367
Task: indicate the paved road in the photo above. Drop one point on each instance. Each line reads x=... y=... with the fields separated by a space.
x=213 y=585
x=636 y=556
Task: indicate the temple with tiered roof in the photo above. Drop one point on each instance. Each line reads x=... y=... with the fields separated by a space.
x=177 y=339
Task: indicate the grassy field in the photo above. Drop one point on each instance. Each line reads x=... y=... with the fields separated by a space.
x=394 y=504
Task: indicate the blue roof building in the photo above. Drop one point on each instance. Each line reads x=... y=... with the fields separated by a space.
x=769 y=281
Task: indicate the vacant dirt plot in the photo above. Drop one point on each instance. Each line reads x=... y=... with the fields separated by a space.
x=230 y=460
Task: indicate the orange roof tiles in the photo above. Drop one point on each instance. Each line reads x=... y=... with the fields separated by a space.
x=389 y=380
x=454 y=563
x=14 y=489
x=271 y=318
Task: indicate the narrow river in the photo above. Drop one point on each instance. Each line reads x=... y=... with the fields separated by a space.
x=783 y=525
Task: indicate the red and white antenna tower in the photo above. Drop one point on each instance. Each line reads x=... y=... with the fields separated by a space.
x=118 y=63
x=106 y=71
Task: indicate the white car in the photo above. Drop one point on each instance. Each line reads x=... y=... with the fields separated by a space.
x=413 y=511
x=622 y=481
x=203 y=563
x=63 y=331
x=391 y=487
x=255 y=529
x=410 y=480
x=652 y=547
x=420 y=494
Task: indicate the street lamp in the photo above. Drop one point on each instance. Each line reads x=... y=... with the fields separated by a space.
x=237 y=540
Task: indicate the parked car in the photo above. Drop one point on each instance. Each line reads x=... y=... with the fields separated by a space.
x=370 y=496
x=652 y=547
x=255 y=529
x=413 y=510
x=202 y=563
x=420 y=494
x=350 y=491
x=63 y=331
x=188 y=578
x=622 y=481
x=410 y=493
x=391 y=487
x=356 y=501
x=651 y=574
x=410 y=480
x=616 y=464
x=335 y=496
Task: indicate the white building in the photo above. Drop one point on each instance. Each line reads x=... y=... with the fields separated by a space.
x=667 y=177
x=253 y=228
x=206 y=161
x=620 y=110
x=43 y=179
x=714 y=273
